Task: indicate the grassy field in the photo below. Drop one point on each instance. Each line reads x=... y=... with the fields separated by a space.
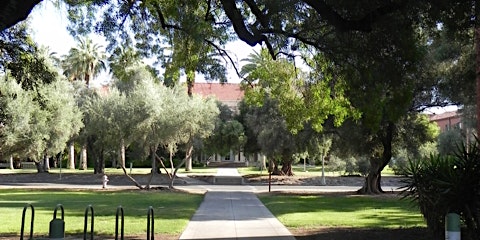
x=296 y=211
x=172 y=210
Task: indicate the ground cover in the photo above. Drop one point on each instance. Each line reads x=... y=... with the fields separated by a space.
x=172 y=210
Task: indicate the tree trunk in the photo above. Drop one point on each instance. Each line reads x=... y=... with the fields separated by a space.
x=287 y=168
x=71 y=156
x=477 y=75
x=153 y=151
x=190 y=82
x=372 y=183
x=10 y=162
x=83 y=158
x=187 y=156
x=46 y=164
x=122 y=153
x=99 y=163
x=188 y=159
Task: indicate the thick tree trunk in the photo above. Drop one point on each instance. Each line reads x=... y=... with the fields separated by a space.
x=372 y=183
x=287 y=168
x=477 y=75
x=14 y=11
x=71 y=156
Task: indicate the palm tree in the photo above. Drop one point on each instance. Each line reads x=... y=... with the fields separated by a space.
x=254 y=61
x=84 y=62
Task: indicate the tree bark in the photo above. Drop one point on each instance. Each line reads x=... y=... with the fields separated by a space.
x=83 y=158
x=187 y=156
x=46 y=163
x=372 y=183
x=477 y=74
x=122 y=153
x=71 y=156
x=188 y=159
x=287 y=168
x=14 y=11
x=10 y=162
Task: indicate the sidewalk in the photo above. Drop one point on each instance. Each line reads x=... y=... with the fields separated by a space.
x=234 y=215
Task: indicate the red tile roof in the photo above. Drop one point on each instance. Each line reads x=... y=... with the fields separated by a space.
x=445 y=115
x=223 y=92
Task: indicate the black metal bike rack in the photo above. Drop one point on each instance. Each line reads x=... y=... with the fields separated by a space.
x=87 y=210
x=150 y=221
x=122 y=229
x=31 y=221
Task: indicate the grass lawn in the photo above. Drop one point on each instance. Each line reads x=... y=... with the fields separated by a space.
x=312 y=211
x=172 y=210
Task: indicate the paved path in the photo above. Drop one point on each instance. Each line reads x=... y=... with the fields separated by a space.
x=231 y=214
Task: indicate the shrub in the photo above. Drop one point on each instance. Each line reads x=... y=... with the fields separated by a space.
x=444 y=184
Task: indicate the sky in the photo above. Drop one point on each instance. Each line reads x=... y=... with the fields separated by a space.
x=48 y=25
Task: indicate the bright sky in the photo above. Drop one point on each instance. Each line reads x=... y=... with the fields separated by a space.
x=48 y=25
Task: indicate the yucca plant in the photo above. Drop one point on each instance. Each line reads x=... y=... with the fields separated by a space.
x=447 y=184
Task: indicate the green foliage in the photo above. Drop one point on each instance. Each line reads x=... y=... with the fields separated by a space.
x=449 y=141
x=23 y=60
x=447 y=184
x=84 y=61
x=301 y=98
x=27 y=118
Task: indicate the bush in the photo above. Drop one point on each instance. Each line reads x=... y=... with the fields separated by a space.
x=444 y=184
x=334 y=164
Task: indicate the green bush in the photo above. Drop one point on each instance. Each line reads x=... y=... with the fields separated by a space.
x=447 y=184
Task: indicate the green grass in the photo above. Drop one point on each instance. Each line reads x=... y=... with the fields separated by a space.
x=343 y=211
x=172 y=210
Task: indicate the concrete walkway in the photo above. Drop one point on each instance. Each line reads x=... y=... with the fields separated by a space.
x=234 y=215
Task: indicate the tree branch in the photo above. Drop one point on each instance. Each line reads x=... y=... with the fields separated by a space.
x=224 y=53
x=14 y=11
x=252 y=39
x=342 y=24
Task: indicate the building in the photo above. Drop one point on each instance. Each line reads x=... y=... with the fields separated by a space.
x=229 y=94
x=447 y=120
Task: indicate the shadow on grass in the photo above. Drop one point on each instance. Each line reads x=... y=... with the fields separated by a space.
x=362 y=234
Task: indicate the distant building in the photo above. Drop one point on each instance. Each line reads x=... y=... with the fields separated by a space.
x=447 y=120
x=231 y=95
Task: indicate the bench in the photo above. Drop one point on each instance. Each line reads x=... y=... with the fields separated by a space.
x=29 y=165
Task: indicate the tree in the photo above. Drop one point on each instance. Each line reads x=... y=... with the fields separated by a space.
x=26 y=115
x=84 y=62
x=21 y=58
x=273 y=137
x=228 y=133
